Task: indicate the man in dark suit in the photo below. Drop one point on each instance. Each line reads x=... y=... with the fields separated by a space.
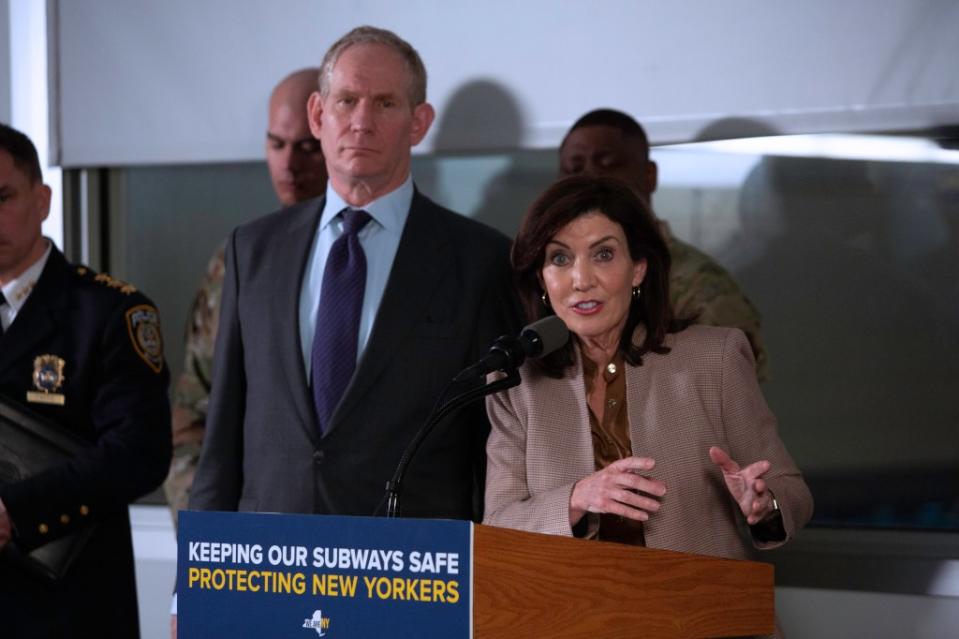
x=84 y=351
x=322 y=376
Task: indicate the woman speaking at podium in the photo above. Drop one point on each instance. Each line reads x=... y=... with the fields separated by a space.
x=643 y=429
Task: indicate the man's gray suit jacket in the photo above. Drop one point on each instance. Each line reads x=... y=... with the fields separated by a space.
x=449 y=295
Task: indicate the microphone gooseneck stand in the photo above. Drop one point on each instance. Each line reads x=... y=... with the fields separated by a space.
x=395 y=485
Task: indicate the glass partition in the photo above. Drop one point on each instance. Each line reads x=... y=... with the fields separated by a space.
x=853 y=262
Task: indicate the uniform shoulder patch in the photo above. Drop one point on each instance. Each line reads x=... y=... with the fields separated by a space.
x=143 y=324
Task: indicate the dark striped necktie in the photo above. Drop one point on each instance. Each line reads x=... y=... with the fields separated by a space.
x=333 y=357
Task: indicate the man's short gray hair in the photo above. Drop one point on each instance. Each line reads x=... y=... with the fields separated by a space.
x=373 y=35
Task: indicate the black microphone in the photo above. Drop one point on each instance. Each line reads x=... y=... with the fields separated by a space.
x=539 y=339
x=507 y=353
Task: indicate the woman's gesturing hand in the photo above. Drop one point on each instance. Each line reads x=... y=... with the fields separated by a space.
x=746 y=485
x=619 y=489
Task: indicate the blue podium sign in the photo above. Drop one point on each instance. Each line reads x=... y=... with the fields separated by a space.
x=273 y=575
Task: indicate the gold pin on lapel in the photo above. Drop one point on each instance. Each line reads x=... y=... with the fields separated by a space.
x=47 y=378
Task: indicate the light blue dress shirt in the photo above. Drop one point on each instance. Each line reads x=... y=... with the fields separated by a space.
x=380 y=239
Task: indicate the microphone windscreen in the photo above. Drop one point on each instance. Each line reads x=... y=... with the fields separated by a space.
x=548 y=335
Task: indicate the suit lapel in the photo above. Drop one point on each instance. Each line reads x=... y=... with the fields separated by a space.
x=424 y=254
x=290 y=268
x=38 y=317
x=654 y=431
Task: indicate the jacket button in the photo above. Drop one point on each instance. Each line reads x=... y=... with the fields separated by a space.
x=43 y=528
x=84 y=511
x=318 y=457
x=64 y=519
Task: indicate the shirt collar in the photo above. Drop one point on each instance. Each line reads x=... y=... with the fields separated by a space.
x=17 y=290
x=388 y=210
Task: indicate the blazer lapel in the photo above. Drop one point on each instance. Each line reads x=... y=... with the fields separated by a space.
x=289 y=268
x=566 y=417
x=656 y=429
x=38 y=317
x=424 y=254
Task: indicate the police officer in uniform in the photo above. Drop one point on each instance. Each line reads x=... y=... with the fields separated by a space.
x=84 y=351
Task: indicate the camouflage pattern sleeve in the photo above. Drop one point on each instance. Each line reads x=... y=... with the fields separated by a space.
x=192 y=391
x=699 y=287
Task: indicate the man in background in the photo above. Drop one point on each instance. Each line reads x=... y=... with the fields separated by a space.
x=345 y=317
x=610 y=143
x=82 y=351
x=298 y=173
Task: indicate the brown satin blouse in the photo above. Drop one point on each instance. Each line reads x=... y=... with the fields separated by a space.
x=611 y=443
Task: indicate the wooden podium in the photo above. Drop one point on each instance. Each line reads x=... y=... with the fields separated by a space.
x=264 y=575
x=532 y=585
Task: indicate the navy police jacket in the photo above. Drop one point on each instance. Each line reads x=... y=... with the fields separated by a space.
x=85 y=351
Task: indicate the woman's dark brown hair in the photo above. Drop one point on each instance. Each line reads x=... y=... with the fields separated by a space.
x=562 y=203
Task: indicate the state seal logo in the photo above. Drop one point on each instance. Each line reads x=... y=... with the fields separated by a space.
x=318 y=622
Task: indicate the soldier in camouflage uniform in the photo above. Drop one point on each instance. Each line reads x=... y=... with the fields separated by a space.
x=699 y=287
x=298 y=173
x=611 y=143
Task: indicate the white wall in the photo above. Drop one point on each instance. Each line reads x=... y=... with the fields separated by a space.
x=808 y=613
x=154 y=548
x=29 y=98
x=4 y=62
x=182 y=81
